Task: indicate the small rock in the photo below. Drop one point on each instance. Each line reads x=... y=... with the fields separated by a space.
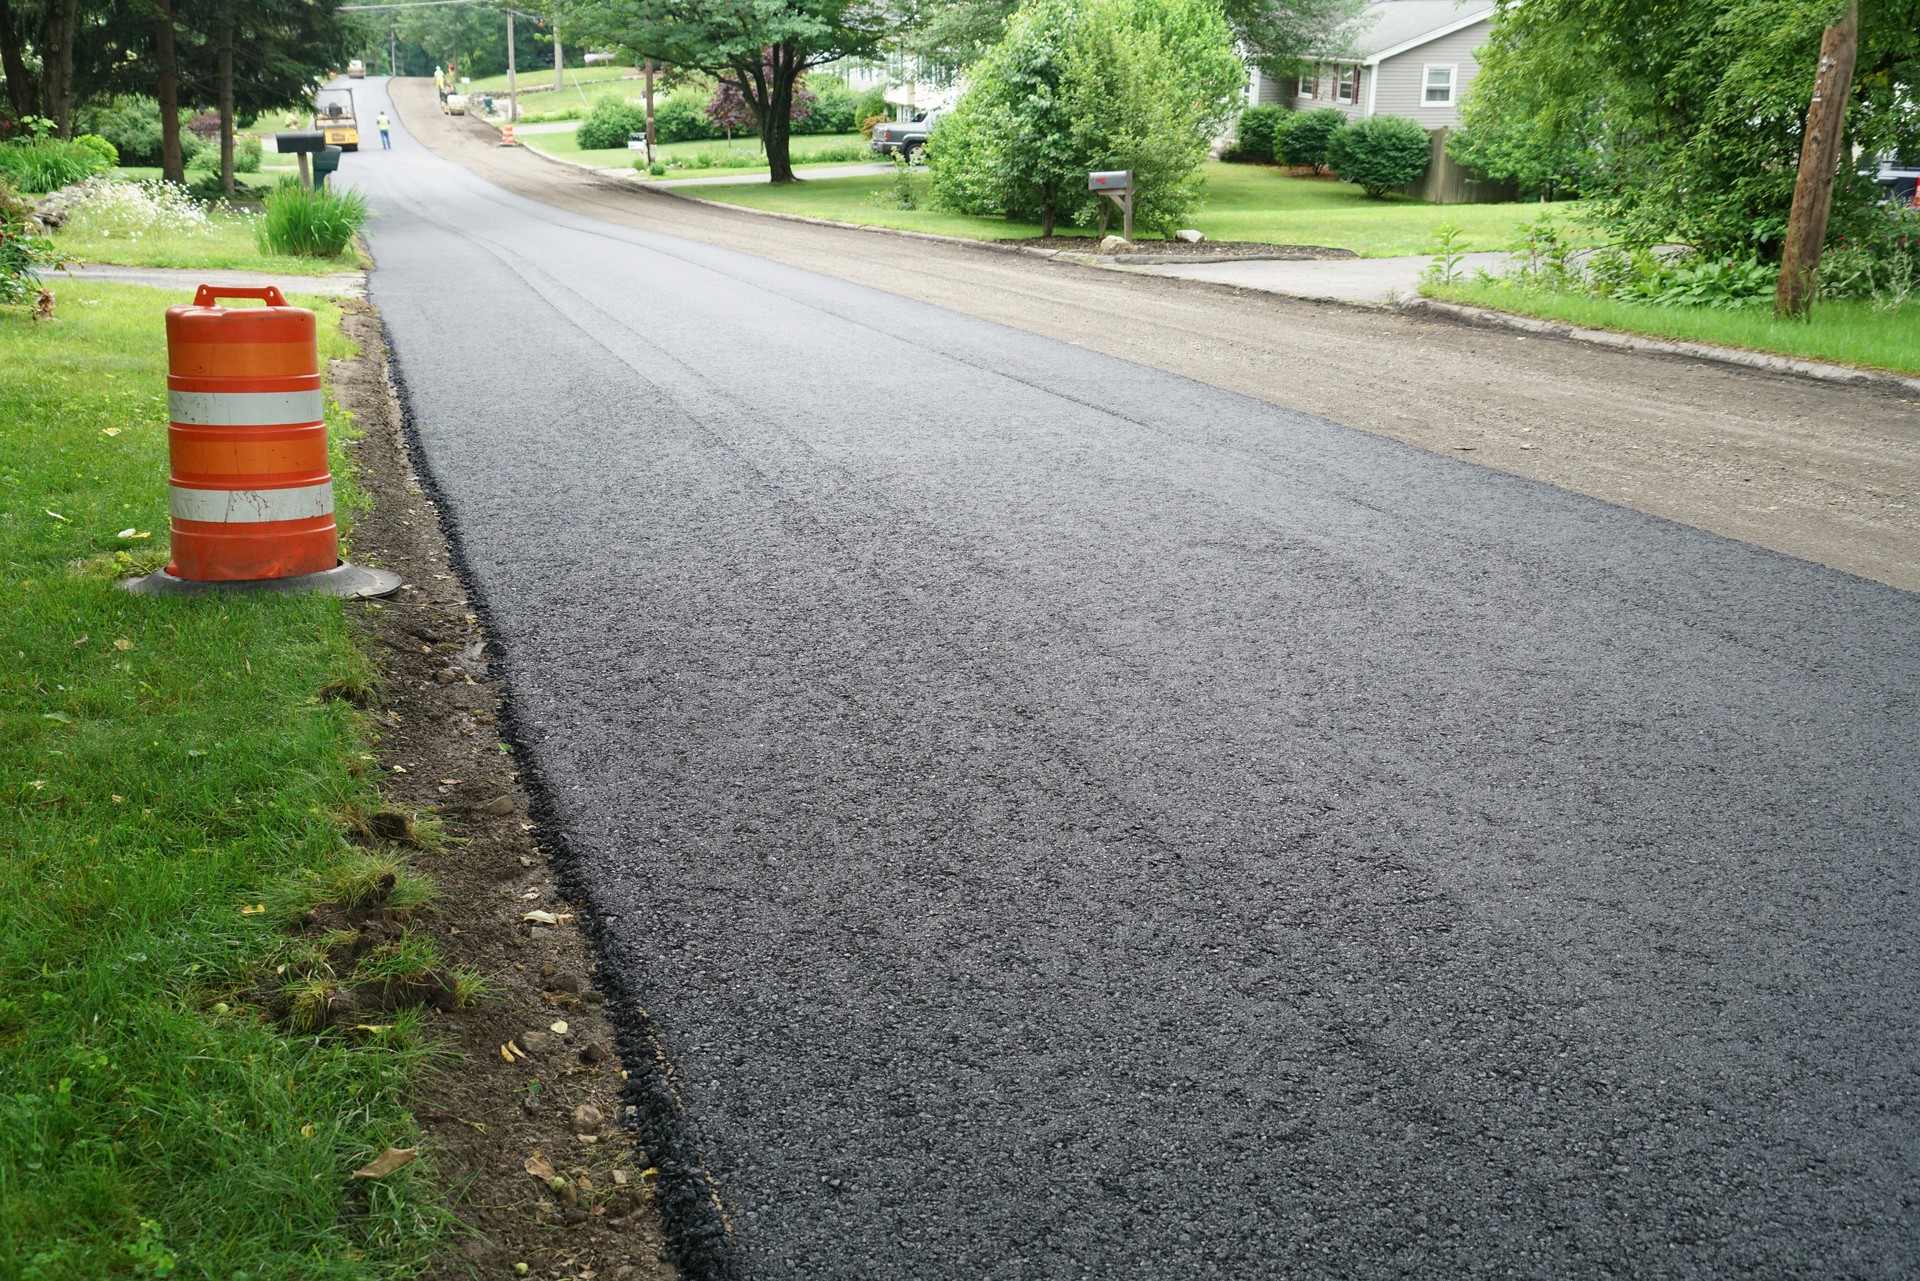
x=501 y=805
x=1114 y=245
x=548 y=970
x=530 y=1105
x=593 y=996
x=445 y=676
x=1187 y=235
x=563 y=983
x=594 y=1053
x=538 y=1043
x=574 y=1215
x=586 y=1119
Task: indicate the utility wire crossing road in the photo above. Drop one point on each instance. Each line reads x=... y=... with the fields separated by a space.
x=1064 y=820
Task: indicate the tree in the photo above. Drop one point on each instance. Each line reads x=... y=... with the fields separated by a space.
x=1277 y=35
x=1080 y=85
x=1687 y=116
x=1379 y=153
x=730 y=109
x=761 y=47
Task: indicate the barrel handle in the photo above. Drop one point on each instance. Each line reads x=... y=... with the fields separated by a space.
x=270 y=294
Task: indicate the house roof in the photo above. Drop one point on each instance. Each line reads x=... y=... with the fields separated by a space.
x=1389 y=27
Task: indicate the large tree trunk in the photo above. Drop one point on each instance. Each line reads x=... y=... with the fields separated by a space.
x=226 y=109
x=13 y=65
x=1819 y=158
x=166 y=61
x=776 y=115
x=59 y=27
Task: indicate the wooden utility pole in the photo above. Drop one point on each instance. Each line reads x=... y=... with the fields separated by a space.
x=559 y=62
x=1819 y=159
x=513 y=93
x=649 y=110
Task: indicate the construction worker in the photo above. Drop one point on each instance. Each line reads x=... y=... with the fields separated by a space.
x=440 y=84
x=386 y=143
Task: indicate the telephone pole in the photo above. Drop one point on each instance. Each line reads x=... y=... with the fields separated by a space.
x=513 y=97
x=1819 y=158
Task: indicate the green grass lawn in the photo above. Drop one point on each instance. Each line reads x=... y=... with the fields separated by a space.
x=164 y=765
x=805 y=150
x=1242 y=202
x=1848 y=333
x=576 y=100
x=596 y=75
x=226 y=243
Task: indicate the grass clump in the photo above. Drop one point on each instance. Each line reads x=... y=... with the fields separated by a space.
x=311 y=224
x=48 y=164
x=163 y=762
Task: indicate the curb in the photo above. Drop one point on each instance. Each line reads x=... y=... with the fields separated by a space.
x=1789 y=366
x=1451 y=313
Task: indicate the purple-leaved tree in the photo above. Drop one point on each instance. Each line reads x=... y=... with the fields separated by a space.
x=731 y=108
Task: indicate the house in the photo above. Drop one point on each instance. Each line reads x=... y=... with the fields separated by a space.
x=1412 y=58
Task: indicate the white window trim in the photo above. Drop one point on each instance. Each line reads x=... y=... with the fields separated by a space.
x=1353 y=90
x=1311 y=78
x=1426 y=82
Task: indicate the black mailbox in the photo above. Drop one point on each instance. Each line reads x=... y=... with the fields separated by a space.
x=325 y=161
x=299 y=140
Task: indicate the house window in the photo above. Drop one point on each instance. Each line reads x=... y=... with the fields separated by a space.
x=1310 y=84
x=1439 y=87
x=1344 y=86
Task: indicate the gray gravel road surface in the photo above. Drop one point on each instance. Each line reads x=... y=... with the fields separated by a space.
x=1062 y=819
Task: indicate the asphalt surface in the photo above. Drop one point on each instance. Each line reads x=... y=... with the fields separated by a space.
x=1065 y=820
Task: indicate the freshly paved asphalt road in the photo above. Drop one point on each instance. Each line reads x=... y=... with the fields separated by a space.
x=1064 y=820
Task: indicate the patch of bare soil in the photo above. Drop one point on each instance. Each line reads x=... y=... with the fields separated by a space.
x=528 y=1120
x=1181 y=251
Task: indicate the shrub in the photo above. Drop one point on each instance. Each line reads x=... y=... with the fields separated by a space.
x=1254 y=136
x=1079 y=85
x=1722 y=283
x=108 y=209
x=1379 y=153
x=834 y=106
x=108 y=153
x=246 y=157
x=611 y=122
x=1876 y=256
x=871 y=103
x=682 y=117
x=205 y=126
x=868 y=122
x=22 y=253
x=1302 y=138
x=310 y=224
x=132 y=124
x=48 y=164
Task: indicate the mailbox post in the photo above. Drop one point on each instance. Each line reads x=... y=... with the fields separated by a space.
x=1116 y=185
x=301 y=143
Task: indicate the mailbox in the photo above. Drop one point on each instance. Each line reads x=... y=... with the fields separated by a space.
x=300 y=140
x=325 y=161
x=1111 y=180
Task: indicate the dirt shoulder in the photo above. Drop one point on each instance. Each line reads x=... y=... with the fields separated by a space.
x=1827 y=473
x=535 y=1089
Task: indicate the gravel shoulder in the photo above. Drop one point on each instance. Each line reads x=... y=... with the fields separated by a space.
x=1829 y=474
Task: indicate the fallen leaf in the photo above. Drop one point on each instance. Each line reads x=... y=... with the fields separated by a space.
x=559 y=1027
x=253 y=909
x=109 y=431
x=538 y=1166
x=650 y=1172
x=544 y=918
x=125 y=533
x=123 y=644
x=77 y=644
x=56 y=515
x=119 y=799
x=620 y=1178
x=512 y=1053
x=306 y=1131
x=399 y=769
x=60 y=717
x=386 y=1163
x=373 y=1029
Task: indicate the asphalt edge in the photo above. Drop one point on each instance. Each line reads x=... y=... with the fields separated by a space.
x=699 y=1237
x=1427 y=308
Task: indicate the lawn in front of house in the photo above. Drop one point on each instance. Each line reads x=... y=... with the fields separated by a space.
x=805 y=150
x=1240 y=202
x=226 y=241
x=541 y=81
x=1847 y=333
x=169 y=768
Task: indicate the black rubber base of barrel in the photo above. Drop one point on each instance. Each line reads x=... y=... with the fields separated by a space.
x=348 y=581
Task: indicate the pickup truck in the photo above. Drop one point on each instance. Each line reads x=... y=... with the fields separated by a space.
x=905 y=136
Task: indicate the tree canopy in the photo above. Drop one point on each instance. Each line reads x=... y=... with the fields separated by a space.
x=1682 y=118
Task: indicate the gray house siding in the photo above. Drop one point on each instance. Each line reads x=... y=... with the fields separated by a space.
x=1402 y=79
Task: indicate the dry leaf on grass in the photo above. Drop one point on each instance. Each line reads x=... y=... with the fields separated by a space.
x=386 y=1163
x=539 y=1167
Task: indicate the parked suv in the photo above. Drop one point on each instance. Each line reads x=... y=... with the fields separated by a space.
x=905 y=136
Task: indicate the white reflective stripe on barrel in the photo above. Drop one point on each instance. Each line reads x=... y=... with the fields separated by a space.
x=245 y=408
x=246 y=506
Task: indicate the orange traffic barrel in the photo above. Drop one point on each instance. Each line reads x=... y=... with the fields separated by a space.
x=250 y=494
